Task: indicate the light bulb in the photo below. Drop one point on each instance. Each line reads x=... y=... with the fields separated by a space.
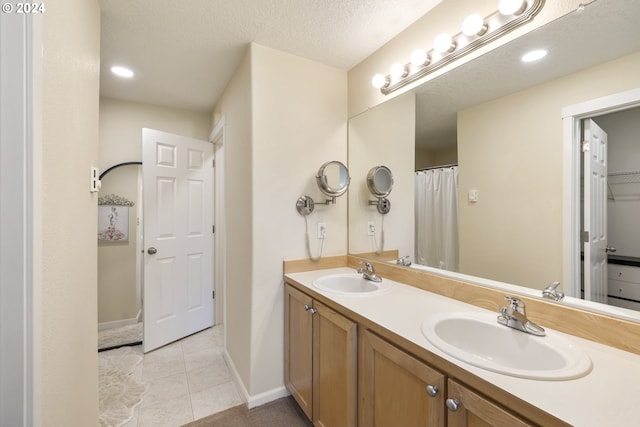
x=419 y=58
x=474 y=25
x=122 y=71
x=397 y=70
x=444 y=43
x=379 y=81
x=512 y=7
x=534 y=55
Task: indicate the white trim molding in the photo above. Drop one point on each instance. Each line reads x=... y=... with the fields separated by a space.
x=253 y=401
x=20 y=219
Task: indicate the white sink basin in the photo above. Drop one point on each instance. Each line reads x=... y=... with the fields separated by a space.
x=350 y=284
x=478 y=339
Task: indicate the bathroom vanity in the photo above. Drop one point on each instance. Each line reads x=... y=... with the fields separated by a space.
x=362 y=359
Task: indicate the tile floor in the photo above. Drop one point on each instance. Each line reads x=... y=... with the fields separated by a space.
x=188 y=380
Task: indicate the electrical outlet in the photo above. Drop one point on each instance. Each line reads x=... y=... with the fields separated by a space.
x=322 y=230
x=371 y=228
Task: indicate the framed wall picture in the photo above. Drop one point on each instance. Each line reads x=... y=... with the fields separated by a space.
x=113 y=223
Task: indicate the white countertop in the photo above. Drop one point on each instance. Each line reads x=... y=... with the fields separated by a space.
x=608 y=396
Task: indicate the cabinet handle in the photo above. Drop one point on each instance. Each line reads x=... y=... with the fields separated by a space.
x=307 y=307
x=313 y=311
x=432 y=390
x=453 y=404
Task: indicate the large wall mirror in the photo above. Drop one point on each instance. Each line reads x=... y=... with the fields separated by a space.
x=494 y=126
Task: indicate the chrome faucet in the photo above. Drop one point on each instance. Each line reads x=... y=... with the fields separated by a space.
x=369 y=272
x=404 y=261
x=515 y=317
x=550 y=292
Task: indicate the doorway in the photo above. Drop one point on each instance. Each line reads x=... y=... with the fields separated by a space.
x=602 y=110
x=622 y=200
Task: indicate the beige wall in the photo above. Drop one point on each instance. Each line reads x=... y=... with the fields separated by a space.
x=429 y=158
x=285 y=116
x=118 y=296
x=385 y=135
x=121 y=124
x=235 y=104
x=71 y=64
x=510 y=149
x=446 y=17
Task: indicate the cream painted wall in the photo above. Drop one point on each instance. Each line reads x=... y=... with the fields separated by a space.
x=71 y=65
x=385 y=135
x=299 y=122
x=285 y=116
x=121 y=124
x=510 y=149
x=429 y=158
x=235 y=105
x=118 y=296
x=446 y=17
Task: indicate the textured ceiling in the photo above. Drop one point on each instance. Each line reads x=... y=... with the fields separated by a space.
x=185 y=52
x=603 y=31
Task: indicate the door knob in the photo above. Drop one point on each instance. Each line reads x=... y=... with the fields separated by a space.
x=152 y=251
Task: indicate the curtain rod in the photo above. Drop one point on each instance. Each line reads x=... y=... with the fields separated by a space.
x=437 y=167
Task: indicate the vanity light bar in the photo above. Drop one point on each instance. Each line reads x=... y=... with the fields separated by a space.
x=476 y=33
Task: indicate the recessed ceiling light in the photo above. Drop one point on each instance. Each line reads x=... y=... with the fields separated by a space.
x=534 y=55
x=122 y=71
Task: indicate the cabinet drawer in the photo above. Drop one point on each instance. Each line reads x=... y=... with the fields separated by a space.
x=623 y=303
x=622 y=289
x=626 y=273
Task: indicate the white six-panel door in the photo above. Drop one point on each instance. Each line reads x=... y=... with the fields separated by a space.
x=178 y=237
x=595 y=212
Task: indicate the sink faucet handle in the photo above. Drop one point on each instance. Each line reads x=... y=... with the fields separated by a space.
x=405 y=260
x=551 y=292
x=367 y=265
x=515 y=304
x=553 y=286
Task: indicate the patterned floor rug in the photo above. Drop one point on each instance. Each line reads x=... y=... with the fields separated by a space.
x=111 y=338
x=118 y=390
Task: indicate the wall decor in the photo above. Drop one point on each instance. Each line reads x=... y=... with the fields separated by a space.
x=113 y=218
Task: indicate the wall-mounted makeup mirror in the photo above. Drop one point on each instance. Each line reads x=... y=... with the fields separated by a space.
x=380 y=181
x=333 y=180
x=380 y=184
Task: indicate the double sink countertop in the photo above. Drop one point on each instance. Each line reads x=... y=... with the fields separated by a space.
x=608 y=395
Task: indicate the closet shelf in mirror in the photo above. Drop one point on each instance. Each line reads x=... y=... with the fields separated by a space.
x=624 y=177
x=616 y=178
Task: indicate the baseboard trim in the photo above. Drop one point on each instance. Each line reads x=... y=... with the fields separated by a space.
x=117 y=323
x=258 y=399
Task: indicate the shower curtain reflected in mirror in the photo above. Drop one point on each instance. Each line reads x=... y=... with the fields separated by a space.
x=436 y=204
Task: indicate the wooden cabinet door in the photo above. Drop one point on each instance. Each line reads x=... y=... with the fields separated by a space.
x=473 y=410
x=298 y=340
x=395 y=389
x=334 y=369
